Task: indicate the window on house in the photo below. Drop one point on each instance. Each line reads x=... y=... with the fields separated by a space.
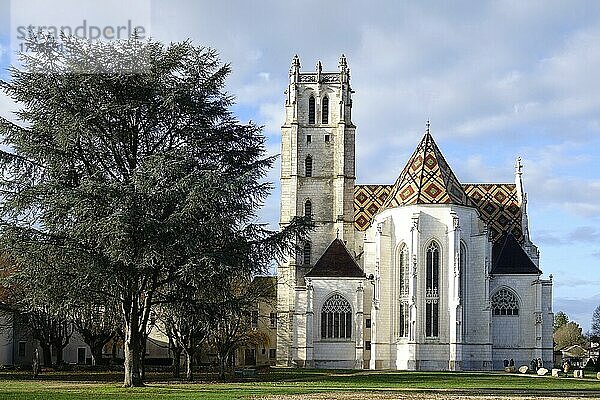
x=308 y=209
x=325 y=110
x=368 y=323
x=306 y=253
x=273 y=320
x=22 y=349
x=308 y=166
x=336 y=318
x=254 y=318
x=264 y=351
x=272 y=353
x=311 y=110
x=327 y=138
x=505 y=302
x=308 y=138
x=368 y=345
x=432 y=294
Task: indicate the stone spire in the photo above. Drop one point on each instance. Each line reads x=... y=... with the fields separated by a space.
x=295 y=69
x=522 y=196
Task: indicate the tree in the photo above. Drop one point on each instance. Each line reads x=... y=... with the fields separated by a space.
x=568 y=334
x=231 y=325
x=560 y=319
x=596 y=322
x=128 y=174
x=97 y=324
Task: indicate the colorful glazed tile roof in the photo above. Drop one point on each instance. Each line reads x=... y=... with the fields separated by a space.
x=426 y=179
x=368 y=199
x=499 y=207
x=497 y=203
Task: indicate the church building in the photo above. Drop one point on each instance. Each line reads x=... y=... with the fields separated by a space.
x=426 y=273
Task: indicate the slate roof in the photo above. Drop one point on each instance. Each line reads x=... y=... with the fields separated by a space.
x=426 y=179
x=336 y=262
x=508 y=257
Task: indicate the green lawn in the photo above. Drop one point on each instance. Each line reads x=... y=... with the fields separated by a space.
x=102 y=386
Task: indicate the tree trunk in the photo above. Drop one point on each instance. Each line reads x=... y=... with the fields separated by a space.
x=176 y=362
x=47 y=354
x=222 y=361
x=143 y=344
x=133 y=359
x=59 y=355
x=96 y=353
x=189 y=371
x=113 y=353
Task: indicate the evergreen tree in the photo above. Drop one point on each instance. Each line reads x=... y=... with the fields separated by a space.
x=560 y=319
x=129 y=175
x=596 y=323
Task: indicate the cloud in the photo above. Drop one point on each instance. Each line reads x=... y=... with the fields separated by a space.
x=579 y=310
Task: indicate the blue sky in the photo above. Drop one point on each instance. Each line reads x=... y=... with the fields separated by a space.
x=497 y=79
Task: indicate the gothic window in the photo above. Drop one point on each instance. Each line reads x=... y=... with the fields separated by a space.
x=311 y=110
x=308 y=166
x=403 y=320
x=325 y=110
x=336 y=318
x=505 y=302
x=432 y=318
x=432 y=295
x=403 y=271
x=306 y=253
x=308 y=209
x=433 y=267
x=403 y=285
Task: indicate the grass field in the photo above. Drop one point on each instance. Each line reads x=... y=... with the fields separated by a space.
x=330 y=384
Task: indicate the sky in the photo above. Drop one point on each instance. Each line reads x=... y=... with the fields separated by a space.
x=497 y=79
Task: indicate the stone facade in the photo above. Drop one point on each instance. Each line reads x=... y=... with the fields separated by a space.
x=434 y=291
x=329 y=145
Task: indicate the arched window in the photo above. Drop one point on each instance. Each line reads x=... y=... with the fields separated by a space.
x=403 y=271
x=306 y=253
x=433 y=267
x=432 y=295
x=505 y=302
x=325 y=110
x=308 y=166
x=403 y=285
x=336 y=318
x=308 y=209
x=311 y=110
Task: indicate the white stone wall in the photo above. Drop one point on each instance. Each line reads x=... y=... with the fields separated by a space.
x=416 y=227
x=335 y=353
x=528 y=335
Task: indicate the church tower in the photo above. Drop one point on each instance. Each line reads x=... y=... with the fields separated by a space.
x=317 y=179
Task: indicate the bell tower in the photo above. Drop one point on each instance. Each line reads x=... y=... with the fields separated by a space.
x=317 y=179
